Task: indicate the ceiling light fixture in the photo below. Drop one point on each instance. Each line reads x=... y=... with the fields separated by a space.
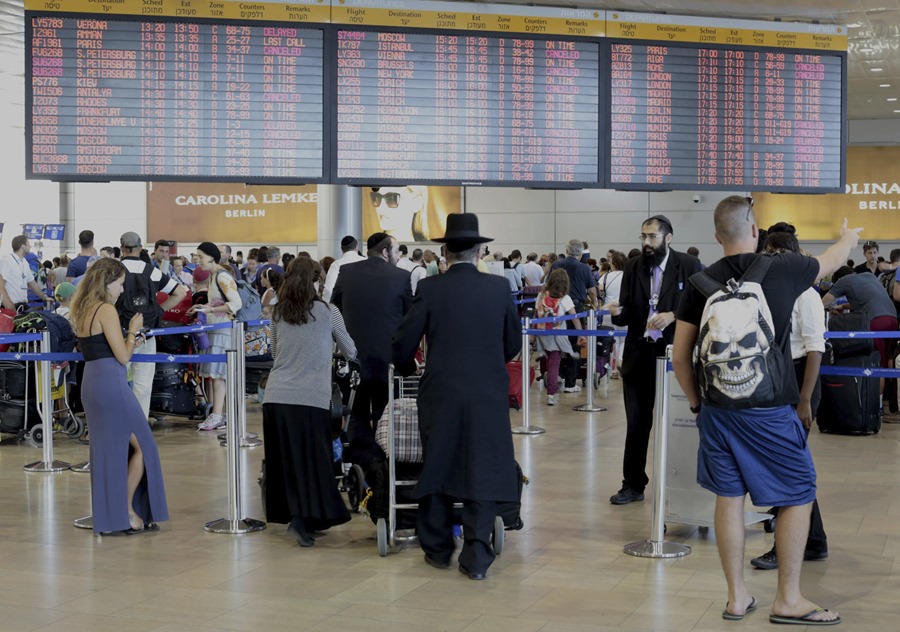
x=896 y=111
x=884 y=85
x=892 y=99
x=875 y=69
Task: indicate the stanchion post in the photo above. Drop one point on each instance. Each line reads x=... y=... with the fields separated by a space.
x=591 y=341
x=233 y=523
x=247 y=439
x=46 y=410
x=526 y=428
x=657 y=546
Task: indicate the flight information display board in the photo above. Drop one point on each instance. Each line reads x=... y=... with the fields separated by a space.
x=466 y=108
x=139 y=99
x=694 y=117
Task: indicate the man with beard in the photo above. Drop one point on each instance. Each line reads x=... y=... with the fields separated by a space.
x=652 y=286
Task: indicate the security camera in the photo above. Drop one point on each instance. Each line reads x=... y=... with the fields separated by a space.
x=696 y=199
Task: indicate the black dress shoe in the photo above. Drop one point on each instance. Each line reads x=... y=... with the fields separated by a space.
x=436 y=563
x=470 y=575
x=298 y=529
x=625 y=496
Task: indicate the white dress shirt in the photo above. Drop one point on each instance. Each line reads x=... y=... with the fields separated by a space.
x=332 y=276
x=17 y=275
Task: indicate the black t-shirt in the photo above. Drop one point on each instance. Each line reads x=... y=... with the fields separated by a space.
x=787 y=278
x=863 y=267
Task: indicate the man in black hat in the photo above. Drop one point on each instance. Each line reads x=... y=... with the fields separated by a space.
x=652 y=285
x=349 y=255
x=472 y=329
x=142 y=282
x=373 y=295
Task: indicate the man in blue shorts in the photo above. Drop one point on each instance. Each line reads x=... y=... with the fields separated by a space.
x=759 y=450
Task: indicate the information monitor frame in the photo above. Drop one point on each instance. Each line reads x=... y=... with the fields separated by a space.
x=328 y=71
x=602 y=105
x=640 y=186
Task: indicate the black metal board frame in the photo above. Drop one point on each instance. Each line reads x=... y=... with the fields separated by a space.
x=602 y=86
x=328 y=71
x=609 y=43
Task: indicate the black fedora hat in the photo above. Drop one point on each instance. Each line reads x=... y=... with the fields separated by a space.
x=462 y=228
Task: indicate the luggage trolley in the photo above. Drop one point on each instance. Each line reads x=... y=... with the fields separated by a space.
x=402 y=411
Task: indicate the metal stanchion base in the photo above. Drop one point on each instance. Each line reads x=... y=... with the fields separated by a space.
x=84 y=523
x=648 y=548
x=223 y=525
x=82 y=468
x=530 y=430
x=584 y=408
x=246 y=442
x=223 y=435
x=44 y=466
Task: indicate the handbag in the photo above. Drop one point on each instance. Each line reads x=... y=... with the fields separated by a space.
x=6 y=324
x=256 y=342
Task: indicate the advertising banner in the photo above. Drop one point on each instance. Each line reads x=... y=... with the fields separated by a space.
x=411 y=213
x=235 y=213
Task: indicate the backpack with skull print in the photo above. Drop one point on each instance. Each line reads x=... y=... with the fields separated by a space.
x=737 y=362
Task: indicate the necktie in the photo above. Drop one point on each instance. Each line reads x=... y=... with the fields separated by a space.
x=655 y=284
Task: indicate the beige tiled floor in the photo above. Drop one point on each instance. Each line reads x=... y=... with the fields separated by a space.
x=565 y=572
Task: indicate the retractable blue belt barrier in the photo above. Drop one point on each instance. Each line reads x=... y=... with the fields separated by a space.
x=7 y=339
x=258 y=323
x=600 y=333
x=523 y=301
x=159 y=358
x=857 y=372
x=557 y=319
x=188 y=329
x=862 y=334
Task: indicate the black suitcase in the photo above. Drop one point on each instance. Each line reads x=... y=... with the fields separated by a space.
x=847 y=347
x=850 y=405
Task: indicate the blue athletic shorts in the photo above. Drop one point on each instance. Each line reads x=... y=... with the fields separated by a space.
x=762 y=451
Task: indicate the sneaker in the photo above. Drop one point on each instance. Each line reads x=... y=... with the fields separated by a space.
x=891 y=418
x=769 y=561
x=625 y=496
x=572 y=389
x=614 y=375
x=552 y=400
x=213 y=422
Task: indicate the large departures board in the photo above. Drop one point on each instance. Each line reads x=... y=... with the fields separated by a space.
x=392 y=92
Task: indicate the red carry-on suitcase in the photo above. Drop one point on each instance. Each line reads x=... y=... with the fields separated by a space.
x=514 y=369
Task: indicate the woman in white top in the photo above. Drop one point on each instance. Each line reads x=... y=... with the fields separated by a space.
x=223 y=303
x=610 y=287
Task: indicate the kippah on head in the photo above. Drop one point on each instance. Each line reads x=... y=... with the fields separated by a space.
x=375 y=239
x=347 y=241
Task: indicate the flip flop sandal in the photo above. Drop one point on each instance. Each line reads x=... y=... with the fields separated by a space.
x=149 y=527
x=730 y=616
x=803 y=620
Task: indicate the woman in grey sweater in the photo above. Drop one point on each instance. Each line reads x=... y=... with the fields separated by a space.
x=300 y=483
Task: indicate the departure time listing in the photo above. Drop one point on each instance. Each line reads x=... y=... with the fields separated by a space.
x=468 y=108
x=142 y=99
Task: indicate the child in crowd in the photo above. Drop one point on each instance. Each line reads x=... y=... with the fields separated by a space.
x=63 y=294
x=553 y=301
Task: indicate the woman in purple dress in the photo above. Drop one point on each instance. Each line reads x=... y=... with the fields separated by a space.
x=127 y=493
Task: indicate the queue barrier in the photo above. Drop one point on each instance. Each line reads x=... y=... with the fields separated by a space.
x=234 y=522
x=591 y=332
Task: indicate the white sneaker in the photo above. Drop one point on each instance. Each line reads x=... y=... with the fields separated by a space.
x=572 y=389
x=552 y=400
x=213 y=422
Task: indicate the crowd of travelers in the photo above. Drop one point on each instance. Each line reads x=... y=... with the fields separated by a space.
x=378 y=302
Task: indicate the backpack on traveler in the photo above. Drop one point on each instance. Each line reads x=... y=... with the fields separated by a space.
x=139 y=297
x=737 y=362
x=251 y=306
x=62 y=338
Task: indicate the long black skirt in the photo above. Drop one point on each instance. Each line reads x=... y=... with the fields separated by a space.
x=300 y=479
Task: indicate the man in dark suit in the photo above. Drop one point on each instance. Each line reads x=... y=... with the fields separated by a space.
x=652 y=286
x=373 y=295
x=472 y=329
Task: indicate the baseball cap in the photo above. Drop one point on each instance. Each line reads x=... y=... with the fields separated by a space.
x=130 y=240
x=64 y=290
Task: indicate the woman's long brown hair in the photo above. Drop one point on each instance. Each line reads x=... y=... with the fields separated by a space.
x=298 y=292
x=92 y=290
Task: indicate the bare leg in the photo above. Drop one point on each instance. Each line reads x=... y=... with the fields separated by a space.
x=218 y=395
x=791 y=532
x=135 y=474
x=730 y=541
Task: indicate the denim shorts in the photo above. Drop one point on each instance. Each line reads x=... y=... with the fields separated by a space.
x=760 y=451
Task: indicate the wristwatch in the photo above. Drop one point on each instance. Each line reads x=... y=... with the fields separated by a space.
x=696 y=409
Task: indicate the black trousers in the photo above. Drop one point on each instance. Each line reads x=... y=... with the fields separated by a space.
x=371 y=400
x=435 y=530
x=816 y=541
x=639 y=388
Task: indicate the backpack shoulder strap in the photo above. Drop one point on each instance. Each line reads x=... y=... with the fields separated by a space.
x=758 y=269
x=705 y=284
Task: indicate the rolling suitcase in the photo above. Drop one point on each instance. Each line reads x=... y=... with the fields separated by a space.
x=514 y=370
x=850 y=405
